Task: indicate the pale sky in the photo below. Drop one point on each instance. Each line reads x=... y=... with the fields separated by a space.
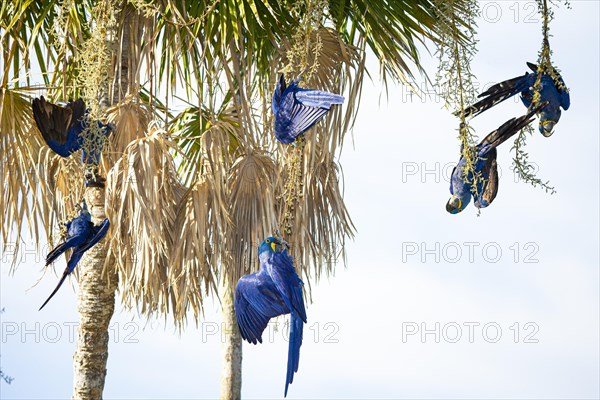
x=509 y=299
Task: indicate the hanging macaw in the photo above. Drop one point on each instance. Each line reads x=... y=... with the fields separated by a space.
x=274 y=290
x=460 y=185
x=82 y=234
x=62 y=128
x=555 y=93
x=297 y=110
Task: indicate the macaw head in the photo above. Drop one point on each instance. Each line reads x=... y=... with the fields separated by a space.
x=83 y=210
x=456 y=204
x=271 y=245
x=547 y=121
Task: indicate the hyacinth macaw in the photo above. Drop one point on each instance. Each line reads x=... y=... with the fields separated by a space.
x=556 y=95
x=61 y=128
x=274 y=290
x=82 y=234
x=297 y=110
x=460 y=185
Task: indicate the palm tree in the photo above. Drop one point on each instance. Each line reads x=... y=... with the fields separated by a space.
x=194 y=175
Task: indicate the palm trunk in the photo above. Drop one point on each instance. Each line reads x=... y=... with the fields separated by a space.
x=97 y=287
x=96 y=306
x=231 y=373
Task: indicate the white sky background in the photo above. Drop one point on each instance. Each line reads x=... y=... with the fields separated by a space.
x=360 y=314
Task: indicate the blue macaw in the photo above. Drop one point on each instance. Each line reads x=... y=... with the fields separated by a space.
x=274 y=290
x=82 y=234
x=557 y=96
x=297 y=110
x=61 y=128
x=460 y=185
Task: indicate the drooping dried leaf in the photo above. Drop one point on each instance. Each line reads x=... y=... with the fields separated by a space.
x=252 y=210
x=143 y=191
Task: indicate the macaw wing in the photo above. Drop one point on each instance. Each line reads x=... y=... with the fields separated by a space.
x=75 y=257
x=490 y=186
x=287 y=281
x=451 y=176
x=256 y=302
x=279 y=88
x=565 y=98
x=302 y=118
x=318 y=98
x=96 y=234
x=526 y=98
x=53 y=121
x=498 y=93
x=508 y=129
x=78 y=109
x=61 y=248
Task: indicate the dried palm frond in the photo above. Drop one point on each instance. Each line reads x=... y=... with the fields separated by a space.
x=143 y=191
x=61 y=184
x=325 y=223
x=321 y=222
x=320 y=225
x=19 y=146
x=252 y=210
x=199 y=234
x=131 y=118
x=39 y=186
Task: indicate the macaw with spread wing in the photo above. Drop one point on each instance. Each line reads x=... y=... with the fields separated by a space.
x=554 y=93
x=62 y=127
x=276 y=289
x=297 y=109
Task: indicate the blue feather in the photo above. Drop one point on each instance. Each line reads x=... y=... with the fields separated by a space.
x=555 y=95
x=276 y=289
x=485 y=165
x=82 y=234
x=297 y=110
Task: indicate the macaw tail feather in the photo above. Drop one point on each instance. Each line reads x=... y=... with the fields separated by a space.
x=296 y=328
x=56 y=252
x=497 y=94
x=64 y=276
x=510 y=127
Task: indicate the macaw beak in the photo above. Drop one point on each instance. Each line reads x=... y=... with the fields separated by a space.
x=546 y=128
x=454 y=205
x=273 y=246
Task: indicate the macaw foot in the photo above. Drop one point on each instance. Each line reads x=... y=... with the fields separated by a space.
x=94 y=180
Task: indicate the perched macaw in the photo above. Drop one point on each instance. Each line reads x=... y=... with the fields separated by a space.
x=297 y=110
x=61 y=128
x=82 y=234
x=274 y=290
x=460 y=184
x=557 y=96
